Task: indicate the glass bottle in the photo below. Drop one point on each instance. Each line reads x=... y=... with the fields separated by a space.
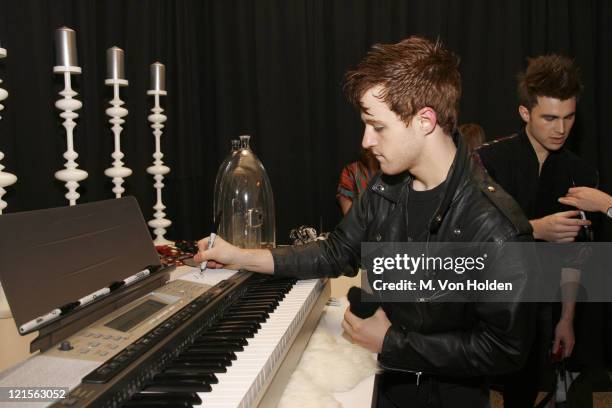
x=245 y=201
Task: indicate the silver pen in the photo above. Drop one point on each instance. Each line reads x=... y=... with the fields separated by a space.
x=211 y=243
x=211 y=239
x=583 y=217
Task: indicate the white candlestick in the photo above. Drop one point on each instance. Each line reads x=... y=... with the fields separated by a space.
x=159 y=223
x=71 y=175
x=6 y=179
x=115 y=72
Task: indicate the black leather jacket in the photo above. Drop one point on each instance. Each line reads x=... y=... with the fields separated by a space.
x=446 y=339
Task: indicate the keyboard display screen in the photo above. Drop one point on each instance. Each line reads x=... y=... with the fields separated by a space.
x=133 y=317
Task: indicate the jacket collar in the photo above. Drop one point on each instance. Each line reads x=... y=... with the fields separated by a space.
x=456 y=179
x=391 y=187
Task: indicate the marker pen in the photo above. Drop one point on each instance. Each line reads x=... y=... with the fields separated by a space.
x=39 y=321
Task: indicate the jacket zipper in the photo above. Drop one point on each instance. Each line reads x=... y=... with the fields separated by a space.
x=418 y=374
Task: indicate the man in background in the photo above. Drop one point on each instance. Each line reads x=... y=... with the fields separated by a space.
x=536 y=168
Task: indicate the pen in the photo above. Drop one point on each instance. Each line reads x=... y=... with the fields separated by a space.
x=129 y=280
x=582 y=214
x=211 y=243
x=55 y=313
x=587 y=230
x=39 y=321
x=211 y=240
x=93 y=296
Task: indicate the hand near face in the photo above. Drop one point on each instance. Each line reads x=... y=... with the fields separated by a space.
x=558 y=227
x=587 y=199
x=368 y=333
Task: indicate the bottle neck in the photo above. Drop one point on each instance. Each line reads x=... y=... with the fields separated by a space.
x=244 y=141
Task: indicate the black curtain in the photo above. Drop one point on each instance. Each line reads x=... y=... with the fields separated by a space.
x=272 y=69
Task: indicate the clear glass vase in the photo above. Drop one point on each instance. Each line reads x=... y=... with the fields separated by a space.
x=244 y=200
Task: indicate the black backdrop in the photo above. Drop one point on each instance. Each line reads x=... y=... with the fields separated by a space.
x=272 y=69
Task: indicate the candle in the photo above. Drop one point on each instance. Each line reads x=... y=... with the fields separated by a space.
x=158 y=76
x=114 y=63
x=65 y=46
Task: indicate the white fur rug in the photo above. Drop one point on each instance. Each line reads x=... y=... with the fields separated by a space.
x=327 y=366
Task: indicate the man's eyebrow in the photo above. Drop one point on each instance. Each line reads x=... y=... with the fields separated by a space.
x=550 y=115
x=368 y=119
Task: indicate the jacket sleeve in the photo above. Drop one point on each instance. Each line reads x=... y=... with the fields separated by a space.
x=498 y=340
x=339 y=254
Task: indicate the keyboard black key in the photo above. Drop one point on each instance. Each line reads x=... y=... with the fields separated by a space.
x=250 y=316
x=257 y=303
x=207 y=378
x=215 y=347
x=249 y=308
x=244 y=333
x=179 y=386
x=228 y=324
x=188 y=358
x=190 y=398
x=223 y=339
x=210 y=367
x=177 y=369
x=208 y=354
x=218 y=342
x=164 y=404
x=190 y=372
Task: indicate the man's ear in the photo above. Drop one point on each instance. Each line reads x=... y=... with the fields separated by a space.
x=525 y=114
x=426 y=119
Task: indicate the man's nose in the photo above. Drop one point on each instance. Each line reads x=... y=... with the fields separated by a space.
x=368 y=139
x=561 y=126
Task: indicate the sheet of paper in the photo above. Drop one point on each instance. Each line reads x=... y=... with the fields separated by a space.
x=209 y=276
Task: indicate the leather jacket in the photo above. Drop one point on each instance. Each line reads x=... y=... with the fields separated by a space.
x=446 y=339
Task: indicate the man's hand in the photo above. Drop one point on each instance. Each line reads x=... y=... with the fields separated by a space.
x=587 y=199
x=558 y=227
x=564 y=334
x=368 y=333
x=225 y=255
x=221 y=255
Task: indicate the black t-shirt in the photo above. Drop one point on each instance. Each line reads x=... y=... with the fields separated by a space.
x=421 y=207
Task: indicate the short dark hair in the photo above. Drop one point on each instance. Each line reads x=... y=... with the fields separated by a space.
x=414 y=73
x=555 y=76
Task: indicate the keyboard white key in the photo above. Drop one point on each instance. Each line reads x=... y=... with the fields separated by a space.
x=244 y=380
